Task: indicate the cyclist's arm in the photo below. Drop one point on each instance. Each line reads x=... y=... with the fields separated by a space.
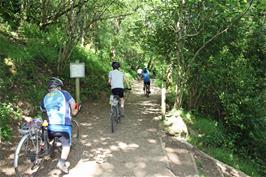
x=109 y=78
x=27 y=119
x=74 y=108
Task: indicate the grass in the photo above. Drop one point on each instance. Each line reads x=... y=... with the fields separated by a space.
x=209 y=137
x=234 y=160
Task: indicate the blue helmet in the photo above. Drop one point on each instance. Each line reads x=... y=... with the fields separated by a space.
x=54 y=83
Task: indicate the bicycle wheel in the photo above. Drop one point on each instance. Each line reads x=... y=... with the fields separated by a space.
x=27 y=161
x=113 y=118
x=75 y=132
x=118 y=110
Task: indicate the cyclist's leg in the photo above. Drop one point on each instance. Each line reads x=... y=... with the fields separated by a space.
x=120 y=93
x=64 y=138
x=149 y=86
x=145 y=87
x=122 y=102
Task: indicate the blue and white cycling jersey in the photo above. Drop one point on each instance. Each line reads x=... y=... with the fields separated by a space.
x=146 y=77
x=57 y=106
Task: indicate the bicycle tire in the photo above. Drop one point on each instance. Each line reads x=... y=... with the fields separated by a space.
x=26 y=154
x=75 y=132
x=118 y=115
x=113 y=118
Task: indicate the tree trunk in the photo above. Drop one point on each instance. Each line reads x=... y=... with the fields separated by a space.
x=179 y=28
x=169 y=75
x=180 y=75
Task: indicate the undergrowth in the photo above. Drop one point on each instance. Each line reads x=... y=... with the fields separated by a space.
x=26 y=67
x=209 y=136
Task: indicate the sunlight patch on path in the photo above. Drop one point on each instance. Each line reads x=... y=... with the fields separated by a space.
x=133 y=150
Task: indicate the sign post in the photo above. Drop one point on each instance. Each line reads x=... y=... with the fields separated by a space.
x=77 y=70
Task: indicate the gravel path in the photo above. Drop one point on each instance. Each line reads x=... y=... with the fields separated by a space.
x=134 y=149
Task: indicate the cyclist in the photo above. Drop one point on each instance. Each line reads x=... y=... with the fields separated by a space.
x=146 y=79
x=139 y=71
x=59 y=105
x=116 y=80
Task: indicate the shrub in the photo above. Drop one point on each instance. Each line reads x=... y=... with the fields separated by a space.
x=210 y=134
x=7 y=114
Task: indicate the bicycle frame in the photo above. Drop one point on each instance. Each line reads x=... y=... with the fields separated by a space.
x=33 y=137
x=115 y=111
x=38 y=146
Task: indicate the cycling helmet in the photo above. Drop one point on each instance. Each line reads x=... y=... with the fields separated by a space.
x=145 y=70
x=115 y=65
x=54 y=83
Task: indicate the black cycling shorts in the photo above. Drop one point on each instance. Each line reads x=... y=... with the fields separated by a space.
x=62 y=136
x=147 y=83
x=118 y=91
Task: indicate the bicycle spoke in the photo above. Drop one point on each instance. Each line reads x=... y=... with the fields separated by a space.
x=28 y=162
x=113 y=118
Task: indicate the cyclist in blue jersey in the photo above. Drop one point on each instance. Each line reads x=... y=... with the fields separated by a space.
x=146 y=79
x=59 y=105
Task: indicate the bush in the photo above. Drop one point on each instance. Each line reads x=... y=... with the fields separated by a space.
x=7 y=114
x=210 y=134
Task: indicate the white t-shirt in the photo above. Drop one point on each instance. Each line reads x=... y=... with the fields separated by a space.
x=117 y=79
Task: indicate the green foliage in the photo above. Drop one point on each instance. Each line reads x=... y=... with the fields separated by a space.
x=209 y=133
x=95 y=82
x=8 y=113
x=170 y=97
x=222 y=79
x=244 y=164
x=210 y=137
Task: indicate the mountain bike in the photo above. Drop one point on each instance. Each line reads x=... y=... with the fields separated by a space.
x=115 y=111
x=116 y=108
x=35 y=146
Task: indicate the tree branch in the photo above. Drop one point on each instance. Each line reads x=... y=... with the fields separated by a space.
x=100 y=15
x=51 y=19
x=221 y=31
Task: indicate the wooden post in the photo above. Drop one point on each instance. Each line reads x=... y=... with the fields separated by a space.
x=77 y=90
x=77 y=87
x=77 y=71
x=163 y=104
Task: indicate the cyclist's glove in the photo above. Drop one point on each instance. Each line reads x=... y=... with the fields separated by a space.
x=78 y=106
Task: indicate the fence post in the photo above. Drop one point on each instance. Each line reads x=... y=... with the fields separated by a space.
x=163 y=98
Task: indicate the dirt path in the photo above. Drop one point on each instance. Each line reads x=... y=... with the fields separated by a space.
x=135 y=149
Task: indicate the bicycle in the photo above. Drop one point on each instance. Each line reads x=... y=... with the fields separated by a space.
x=35 y=146
x=115 y=111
